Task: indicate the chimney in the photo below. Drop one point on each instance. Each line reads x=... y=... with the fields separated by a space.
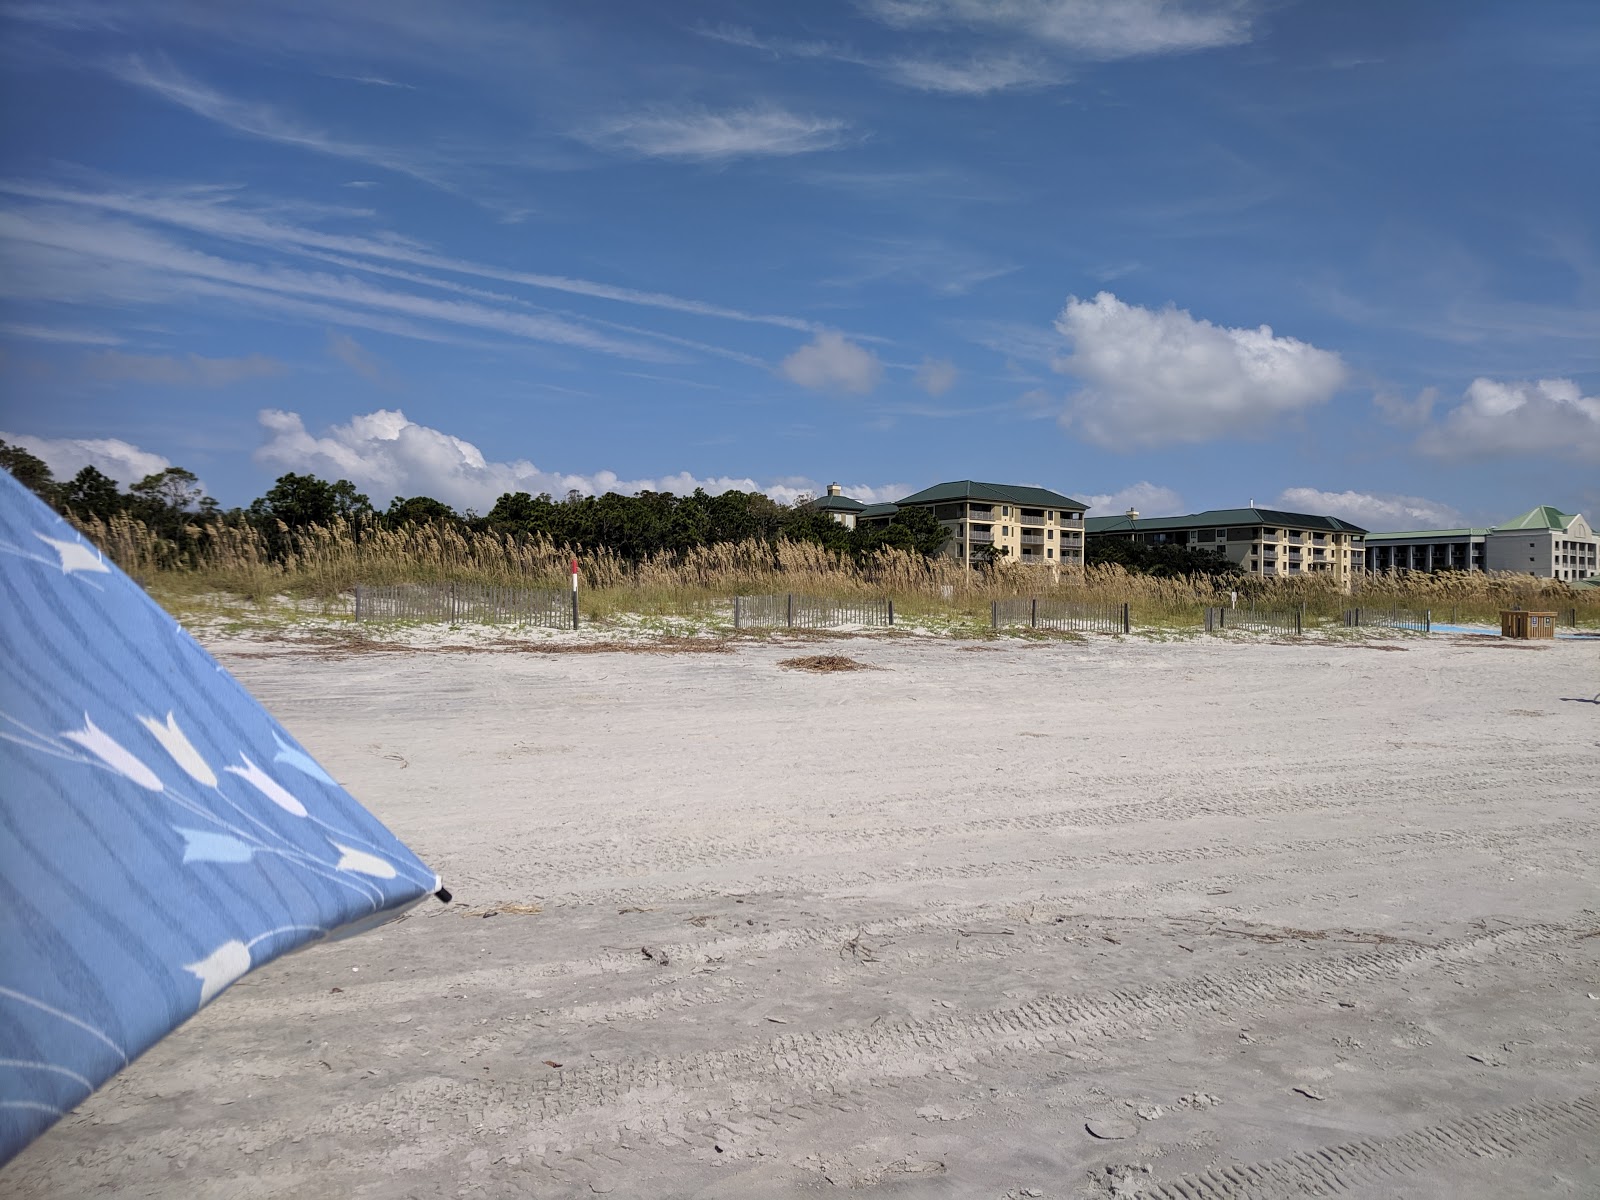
x=1132 y=514
x=1252 y=503
x=835 y=490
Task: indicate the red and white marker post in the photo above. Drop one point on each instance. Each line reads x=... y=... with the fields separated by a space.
x=574 y=593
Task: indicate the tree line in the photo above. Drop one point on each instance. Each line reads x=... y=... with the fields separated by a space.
x=634 y=527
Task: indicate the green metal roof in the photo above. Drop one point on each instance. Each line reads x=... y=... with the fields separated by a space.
x=1545 y=516
x=1221 y=516
x=880 y=510
x=1005 y=493
x=1394 y=536
x=837 y=504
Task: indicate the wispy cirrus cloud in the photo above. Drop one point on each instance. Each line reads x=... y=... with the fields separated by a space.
x=962 y=75
x=62 y=336
x=1107 y=29
x=709 y=135
x=266 y=122
x=65 y=256
x=217 y=217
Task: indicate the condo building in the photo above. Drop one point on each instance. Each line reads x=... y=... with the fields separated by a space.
x=1264 y=541
x=1543 y=541
x=1029 y=525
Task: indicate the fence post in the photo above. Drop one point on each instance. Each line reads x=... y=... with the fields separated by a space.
x=358 y=602
x=1127 y=620
x=452 y=602
x=1033 y=613
x=891 y=610
x=994 y=614
x=1300 y=619
x=736 y=612
x=790 y=611
x=1427 y=620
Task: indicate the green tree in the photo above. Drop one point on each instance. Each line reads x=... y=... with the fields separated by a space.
x=302 y=500
x=1164 y=560
x=914 y=529
x=419 y=510
x=31 y=471
x=91 y=493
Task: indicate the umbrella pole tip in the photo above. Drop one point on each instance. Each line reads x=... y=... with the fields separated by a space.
x=444 y=895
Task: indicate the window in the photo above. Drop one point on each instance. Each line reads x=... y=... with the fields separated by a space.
x=1049 y=553
x=1005 y=510
x=1050 y=534
x=1051 y=515
x=1222 y=535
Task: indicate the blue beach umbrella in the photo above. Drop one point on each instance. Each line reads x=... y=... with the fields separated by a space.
x=160 y=833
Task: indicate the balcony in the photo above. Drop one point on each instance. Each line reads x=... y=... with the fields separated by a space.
x=1033 y=539
x=976 y=536
x=980 y=514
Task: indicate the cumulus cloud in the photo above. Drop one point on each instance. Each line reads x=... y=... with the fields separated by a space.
x=705 y=135
x=1095 y=28
x=1150 y=499
x=65 y=457
x=189 y=371
x=386 y=454
x=1153 y=378
x=936 y=376
x=1547 y=416
x=1378 y=512
x=831 y=362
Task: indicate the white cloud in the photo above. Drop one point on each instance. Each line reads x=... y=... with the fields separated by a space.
x=218 y=218
x=386 y=455
x=971 y=77
x=66 y=256
x=976 y=75
x=1378 y=512
x=1150 y=499
x=262 y=121
x=701 y=134
x=1096 y=28
x=831 y=362
x=65 y=457
x=936 y=376
x=1550 y=417
x=51 y=333
x=1160 y=378
x=189 y=371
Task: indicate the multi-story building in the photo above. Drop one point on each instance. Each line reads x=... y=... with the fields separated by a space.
x=840 y=507
x=1264 y=541
x=1543 y=541
x=1029 y=525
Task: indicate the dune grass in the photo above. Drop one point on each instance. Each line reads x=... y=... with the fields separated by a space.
x=237 y=572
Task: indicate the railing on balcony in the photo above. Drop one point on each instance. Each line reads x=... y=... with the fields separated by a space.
x=1033 y=539
x=976 y=536
x=980 y=514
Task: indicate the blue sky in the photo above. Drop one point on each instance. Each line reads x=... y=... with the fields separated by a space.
x=1343 y=258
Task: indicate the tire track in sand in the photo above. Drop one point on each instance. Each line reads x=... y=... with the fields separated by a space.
x=1375 y=1163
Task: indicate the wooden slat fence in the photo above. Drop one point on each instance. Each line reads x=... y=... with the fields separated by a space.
x=1289 y=621
x=1418 y=620
x=791 y=610
x=456 y=602
x=1061 y=615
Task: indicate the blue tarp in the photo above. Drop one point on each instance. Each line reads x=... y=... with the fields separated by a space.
x=160 y=833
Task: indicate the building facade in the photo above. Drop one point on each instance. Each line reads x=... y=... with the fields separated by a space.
x=1029 y=525
x=1264 y=541
x=840 y=507
x=1543 y=541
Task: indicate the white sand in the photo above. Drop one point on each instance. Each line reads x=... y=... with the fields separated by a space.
x=910 y=931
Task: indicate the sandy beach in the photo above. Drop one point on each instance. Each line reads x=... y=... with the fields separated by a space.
x=1118 y=917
